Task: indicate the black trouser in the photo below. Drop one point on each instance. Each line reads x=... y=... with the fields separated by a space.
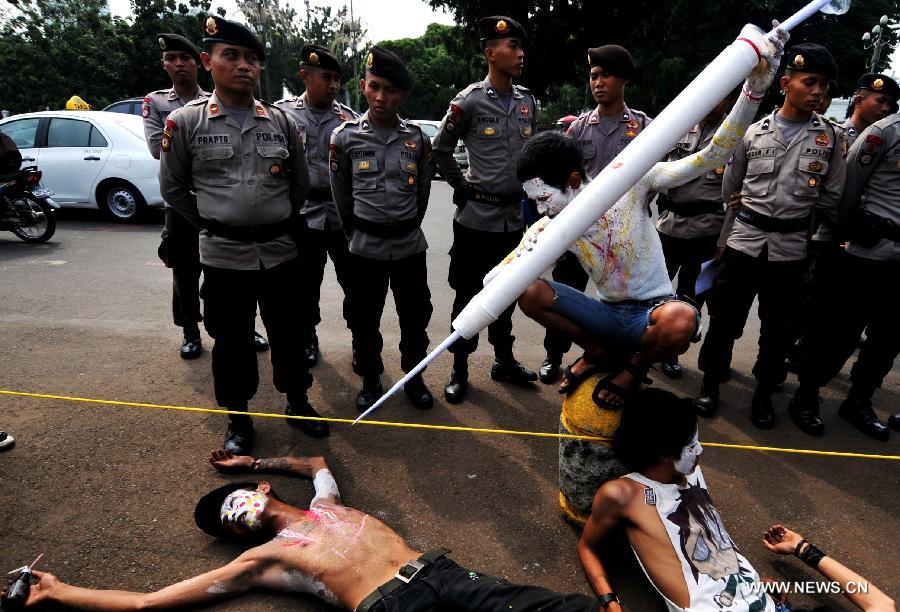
x=568 y=271
x=369 y=281
x=230 y=299
x=683 y=257
x=860 y=298
x=473 y=255
x=315 y=247
x=180 y=250
x=823 y=268
x=741 y=278
x=445 y=587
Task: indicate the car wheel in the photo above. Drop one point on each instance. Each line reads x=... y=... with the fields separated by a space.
x=122 y=202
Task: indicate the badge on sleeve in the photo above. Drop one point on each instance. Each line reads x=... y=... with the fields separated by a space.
x=145 y=108
x=165 y=144
x=822 y=139
x=333 y=157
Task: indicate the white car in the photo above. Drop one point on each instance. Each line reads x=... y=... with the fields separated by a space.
x=90 y=159
x=431 y=129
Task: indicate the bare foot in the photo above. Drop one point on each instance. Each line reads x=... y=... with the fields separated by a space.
x=624 y=379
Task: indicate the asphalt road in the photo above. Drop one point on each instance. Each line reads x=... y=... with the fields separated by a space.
x=107 y=493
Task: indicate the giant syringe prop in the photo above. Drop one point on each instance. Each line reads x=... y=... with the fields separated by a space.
x=712 y=85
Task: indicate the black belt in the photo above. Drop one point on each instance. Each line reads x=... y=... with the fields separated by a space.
x=497 y=199
x=772 y=224
x=262 y=233
x=319 y=194
x=694 y=209
x=404 y=576
x=394 y=229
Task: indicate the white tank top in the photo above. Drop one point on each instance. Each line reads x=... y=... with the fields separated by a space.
x=718 y=577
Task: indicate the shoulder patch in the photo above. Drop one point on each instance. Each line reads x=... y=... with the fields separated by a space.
x=465 y=92
x=197 y=102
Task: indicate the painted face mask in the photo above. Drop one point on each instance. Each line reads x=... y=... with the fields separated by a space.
x=689 y=454
x=549 y=199
x=243 y=507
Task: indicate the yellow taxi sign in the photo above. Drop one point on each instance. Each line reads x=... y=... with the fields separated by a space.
x=76 y=103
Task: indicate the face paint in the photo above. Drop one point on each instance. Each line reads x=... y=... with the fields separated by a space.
x=689 y=454
x=245 y=508
x=549 y=199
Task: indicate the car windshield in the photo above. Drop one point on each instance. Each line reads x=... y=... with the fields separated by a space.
x=430 y=130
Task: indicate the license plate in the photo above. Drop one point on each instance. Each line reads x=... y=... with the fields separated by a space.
x=41 y=193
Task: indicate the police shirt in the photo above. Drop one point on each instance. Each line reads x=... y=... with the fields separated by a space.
x=494 y=136
x=156 y=107
x=873 y=184
x=315 y=132
x=783 y=181
x=381 y=182
x=248 y=176
x=601 y=141
x=847 y=133
x=705 y=189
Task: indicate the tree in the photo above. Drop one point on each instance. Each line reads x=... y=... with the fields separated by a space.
x=669 y=42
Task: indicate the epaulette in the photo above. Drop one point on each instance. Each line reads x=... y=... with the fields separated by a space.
x=521 y=88
x=283 y=100
x=354 y=121
x=465 y=92
x=197 y=102
x=160 y=91
x=344 y=107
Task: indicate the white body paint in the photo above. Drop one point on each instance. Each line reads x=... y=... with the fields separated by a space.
x=686 y=463
x=298 y=582
x=325 y=486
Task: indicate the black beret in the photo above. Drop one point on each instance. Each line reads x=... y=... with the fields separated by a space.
x=173 y=42
x=810 y=57
x=499 y=26
x=613 y=59
x=320 y=57
x=879 y=83
x=387 y=65
x=219 y=30
x=208 y=513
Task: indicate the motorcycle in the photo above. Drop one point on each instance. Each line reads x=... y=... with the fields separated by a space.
x=26 y=208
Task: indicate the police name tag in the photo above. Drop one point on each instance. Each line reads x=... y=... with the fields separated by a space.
x=270 y=137
x=213 y=139
x=755 y=153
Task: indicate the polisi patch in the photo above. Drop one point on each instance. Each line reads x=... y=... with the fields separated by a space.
x=270 y=137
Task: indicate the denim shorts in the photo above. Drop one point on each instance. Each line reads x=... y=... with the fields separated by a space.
x=617 y=325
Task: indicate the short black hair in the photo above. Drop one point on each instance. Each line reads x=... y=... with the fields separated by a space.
x=551 y=156
x=655 y=424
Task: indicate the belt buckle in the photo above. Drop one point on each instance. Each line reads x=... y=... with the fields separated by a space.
x=403 y=574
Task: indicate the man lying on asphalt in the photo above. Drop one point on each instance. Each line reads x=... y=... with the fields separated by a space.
x=343 y=556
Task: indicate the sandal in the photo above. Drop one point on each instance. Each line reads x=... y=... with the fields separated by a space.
x=572 y=380
x=640 y=376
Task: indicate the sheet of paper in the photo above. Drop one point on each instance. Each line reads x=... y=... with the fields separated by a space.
x=708 y=271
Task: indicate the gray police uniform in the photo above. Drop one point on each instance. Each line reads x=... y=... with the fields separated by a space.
x=488 y=221
x=781 y=183
x=861 y=289
x=381 y=180
x=601 y=140
x=691 y=215
x=179 y=247
x=241 y=183
x=322 y=235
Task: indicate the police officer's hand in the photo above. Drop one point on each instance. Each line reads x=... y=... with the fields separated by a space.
x=463 y=193
x=761 y=77
x=734 y=202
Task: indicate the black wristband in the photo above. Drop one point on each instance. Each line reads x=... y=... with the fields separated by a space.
x=799 y=546
x=607 y=598
x=812 y=556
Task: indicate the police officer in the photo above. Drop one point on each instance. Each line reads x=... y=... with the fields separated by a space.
x=875 y=95
x=493 y=118
x=317 y=114
x=236 y=169
x=605 y=131
x=870 y=208
x=787 y=165
x=691 y=215
x=381 y=171
x=179 y=248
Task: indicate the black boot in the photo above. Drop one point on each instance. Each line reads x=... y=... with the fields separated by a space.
x=507 y=369
x=370 y=393
x=708 y=401
x=418 y=394
x=455 y=391
x=804 y=411
x=549 y=371
x=762 y=413
x=299 y=406
x=239 y=437
x=671 y=368
x=894 y=422
x=311 y=351
x=858 y=411
x=191 y=347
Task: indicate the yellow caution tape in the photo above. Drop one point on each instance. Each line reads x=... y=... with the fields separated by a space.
x=508 y=432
